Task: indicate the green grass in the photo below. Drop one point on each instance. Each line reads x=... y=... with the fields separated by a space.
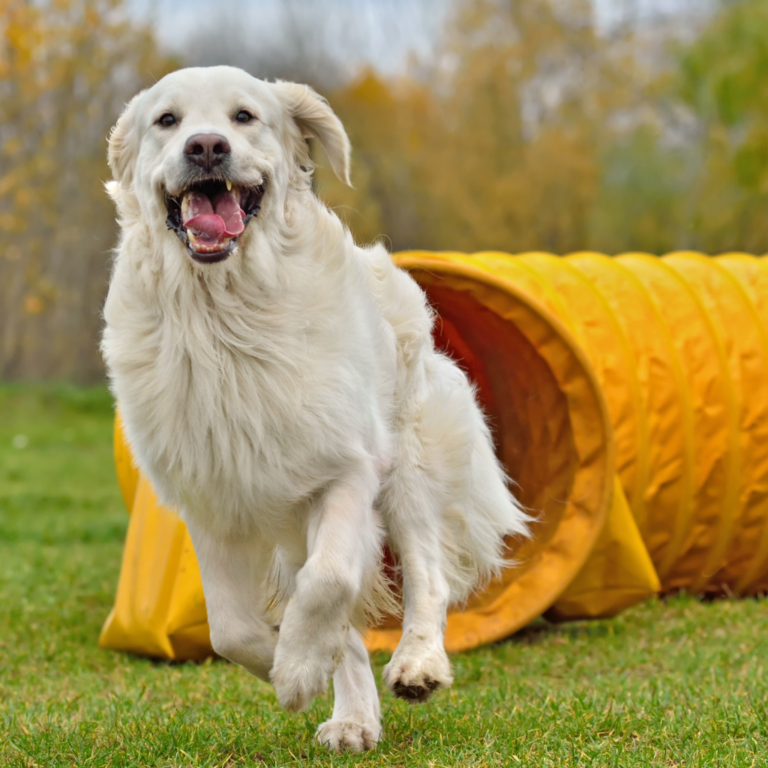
x=668 y=683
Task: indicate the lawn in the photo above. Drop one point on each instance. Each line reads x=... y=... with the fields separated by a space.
x=674 y=682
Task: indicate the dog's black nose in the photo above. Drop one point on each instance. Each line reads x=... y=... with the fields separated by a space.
x=207 y=150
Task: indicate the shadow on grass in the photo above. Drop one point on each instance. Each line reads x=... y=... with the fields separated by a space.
x=542 y=630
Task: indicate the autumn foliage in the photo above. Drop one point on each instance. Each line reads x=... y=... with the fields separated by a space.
x=534 y=132
x=530 y=130
x=497 y=146
x=66 y=69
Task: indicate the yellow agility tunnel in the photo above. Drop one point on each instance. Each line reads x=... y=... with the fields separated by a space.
x=628 y=397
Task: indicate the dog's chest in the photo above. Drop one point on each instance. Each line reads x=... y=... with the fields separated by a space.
x=240 y=413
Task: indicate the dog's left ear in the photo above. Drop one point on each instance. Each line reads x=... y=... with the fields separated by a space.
x=315 y=119
x=123 y=145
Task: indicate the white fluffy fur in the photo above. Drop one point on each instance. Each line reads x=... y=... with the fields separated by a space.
x=290 y=402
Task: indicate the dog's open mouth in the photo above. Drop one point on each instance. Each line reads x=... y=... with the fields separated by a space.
x=210 y=215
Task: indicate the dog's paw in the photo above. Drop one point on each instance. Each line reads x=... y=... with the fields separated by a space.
x=297 y=682
x=416 y=672
x=303 y=667
x=341 y=735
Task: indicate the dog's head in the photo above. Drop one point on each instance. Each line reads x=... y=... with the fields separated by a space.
x=209 y=152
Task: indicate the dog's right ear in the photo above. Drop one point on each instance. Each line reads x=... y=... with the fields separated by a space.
x=315 y=119
x=123 y=148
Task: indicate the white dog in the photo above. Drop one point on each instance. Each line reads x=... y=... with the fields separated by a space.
x=279 y=386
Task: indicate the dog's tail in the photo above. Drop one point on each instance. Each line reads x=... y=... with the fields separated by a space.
x=480 y=516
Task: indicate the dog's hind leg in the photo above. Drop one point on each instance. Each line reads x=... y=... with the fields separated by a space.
x=343 y=550
x=234 y=573
x=355 y=724
x=446 y=509
x=420 y=664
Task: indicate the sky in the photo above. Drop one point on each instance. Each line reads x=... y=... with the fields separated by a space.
x=613 y=11
x=392 y=28
x=387 y=30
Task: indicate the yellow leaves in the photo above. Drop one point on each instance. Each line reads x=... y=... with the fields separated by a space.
x=12 y=146
x=498 y=148
x=370 y=91
x=23 y=198
x=33 y=305
x=9 y=181
x=22 y=35
x=41 y=295
x=11 y=223
x=92 y=17
x=12 y=253
x=66 y=69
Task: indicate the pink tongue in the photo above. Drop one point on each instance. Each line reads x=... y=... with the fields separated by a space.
x=228 y=209
x=214 y=220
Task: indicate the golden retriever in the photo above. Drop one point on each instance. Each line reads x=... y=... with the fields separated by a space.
x=280 y=387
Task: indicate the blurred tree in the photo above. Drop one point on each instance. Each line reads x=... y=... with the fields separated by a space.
x=498 y=145
x=392 y=128
x=534 y=131
x=530 y=130
x=66 y=69
x=641 y=203
x=723 y=79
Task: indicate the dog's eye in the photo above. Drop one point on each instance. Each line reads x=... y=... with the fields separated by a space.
x=243 y=116
x=167 y=120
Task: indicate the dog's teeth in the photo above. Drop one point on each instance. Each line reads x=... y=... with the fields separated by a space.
x=184 y=207
x=229 y=185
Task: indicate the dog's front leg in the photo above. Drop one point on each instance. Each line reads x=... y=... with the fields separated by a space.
x=356 y=721
x=343 y=541
x=234 y=572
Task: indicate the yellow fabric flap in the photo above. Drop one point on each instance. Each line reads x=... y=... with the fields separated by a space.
x=618 y=574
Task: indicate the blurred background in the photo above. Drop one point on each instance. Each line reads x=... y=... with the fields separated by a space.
x=513 y=125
